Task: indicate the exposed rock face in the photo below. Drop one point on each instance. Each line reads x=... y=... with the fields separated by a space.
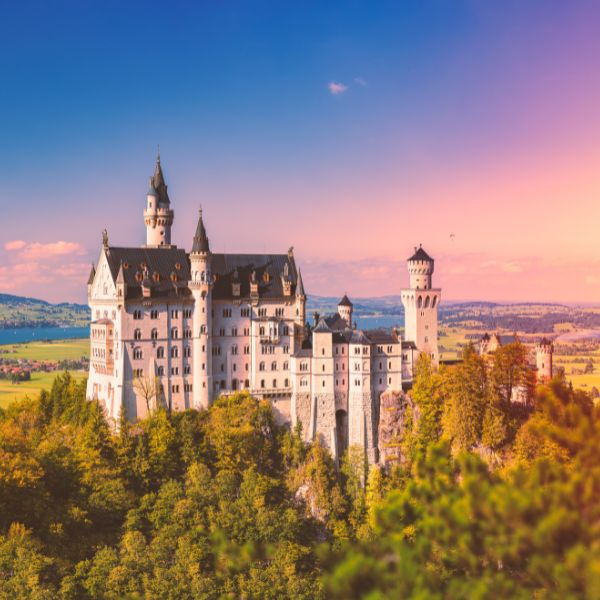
x=396 y=415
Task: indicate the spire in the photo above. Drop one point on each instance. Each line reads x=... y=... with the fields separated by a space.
x=200 y=239
x=345 y=301
x=299 y=285
x=92 y=275
x=121 y=274
x=158 y=183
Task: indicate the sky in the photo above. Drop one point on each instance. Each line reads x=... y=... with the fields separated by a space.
x=352 y=130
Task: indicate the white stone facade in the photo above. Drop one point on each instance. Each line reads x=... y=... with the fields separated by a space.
x=179 y=329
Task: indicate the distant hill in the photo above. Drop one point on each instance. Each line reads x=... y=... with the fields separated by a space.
x=20 y=311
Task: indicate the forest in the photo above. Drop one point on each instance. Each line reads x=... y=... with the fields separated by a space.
x=488 y=499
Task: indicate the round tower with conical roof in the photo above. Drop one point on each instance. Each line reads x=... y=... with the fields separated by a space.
x=544 y=350
x=421 y=302
x=201 y=284
x=158 y=215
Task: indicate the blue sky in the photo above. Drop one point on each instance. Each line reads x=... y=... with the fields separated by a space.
x=473 y=118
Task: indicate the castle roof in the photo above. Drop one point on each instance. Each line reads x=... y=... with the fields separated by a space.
x=269 y=271
x=420 y=254
x=92 y=275
x=158 y=183
x=168 y=270
x=335 y=322
x=345 y=301
x=322 y=327
x=200 y=243
x=300 y=285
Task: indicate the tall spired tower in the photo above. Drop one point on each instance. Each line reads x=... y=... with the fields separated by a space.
x=158 y=214
x=421 y=302
x=201 y=286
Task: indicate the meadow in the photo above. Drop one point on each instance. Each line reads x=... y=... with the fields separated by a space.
x=54 y=351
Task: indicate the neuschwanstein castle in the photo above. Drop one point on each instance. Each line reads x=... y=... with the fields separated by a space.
x=182 y=328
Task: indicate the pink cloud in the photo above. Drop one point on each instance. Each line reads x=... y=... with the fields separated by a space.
x=337 y=88
x=37 y=250
x=15 y=245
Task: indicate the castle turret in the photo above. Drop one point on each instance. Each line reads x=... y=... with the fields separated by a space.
x=421 y=302
x=543 y=359
x=201 y=287
x=345 y=310
x=158 y=215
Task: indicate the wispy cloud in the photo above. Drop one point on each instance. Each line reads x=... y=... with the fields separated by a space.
x=360 y=81
x=337 y=88
x=37 y=250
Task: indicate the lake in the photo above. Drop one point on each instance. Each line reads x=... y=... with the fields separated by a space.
x=32 y=334
x=379 y=322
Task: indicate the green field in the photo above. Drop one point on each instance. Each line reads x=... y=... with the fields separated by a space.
x=54 y=350
x=9 y=392
x=43 y=351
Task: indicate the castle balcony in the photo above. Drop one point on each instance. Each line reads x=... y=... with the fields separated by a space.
x=270 y=339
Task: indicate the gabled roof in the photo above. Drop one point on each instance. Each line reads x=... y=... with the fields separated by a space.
x=224 y=267
x=420 y=254
x=200 y=243
x=168 y=270
x=322 y=327
x=92 y=275
x=336 y=322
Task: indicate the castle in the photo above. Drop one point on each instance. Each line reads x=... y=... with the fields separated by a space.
x=179 y=329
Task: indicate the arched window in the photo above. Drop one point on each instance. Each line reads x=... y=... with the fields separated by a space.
x=261 y=367
x=262 y=331
x=174 y=333
x=161 y=371
x=433 y=302
x=262 y=383
x=286 y=366
x=137 y=353
x=137 y=334
x=274 y=383
x=154 y=334
x=419 y=301
x=174 y=352
x=427 y=302
x=273 y=366
x=160 y=352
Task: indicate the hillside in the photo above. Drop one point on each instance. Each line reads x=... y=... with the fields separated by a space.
x=19 y=311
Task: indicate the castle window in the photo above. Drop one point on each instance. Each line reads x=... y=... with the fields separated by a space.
x=137 y=353
x=286 y=366
x=262 y=383
x=187 y=369
x=174 y=333
x=160 y=352
x=234 y=368
x=286 y=383
x=154 y=314
x=137 y=334
x=390 y=381
x=380 y=366
x=137 y=315
x=427 y=302
x=343 y=382
x=226 y=312
x=262 y=312
x=246 y=349
x=187 y=333
x=245 y=312
x=303 y=382
x=323 y=385
x=187 y=351
x=138 y=372
x=323 y=351
x=234 y=384
x=175 y=389
x=187 y=313
x=286 y=349
x=262 y=331
x=433 y=302
x=234 y=331
x=419 y=301
x=247 y=383
x=160 y=371
x=154 y=334
x=273 y=366
x=337 y=350
x=323 y=368
x=247 y=367
x=286 y=330
x=175 y=371
x=174 y=314
x=174 y=352
x=261 y=366
x=234 y=349
x=202 y=328
x=274 y=383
